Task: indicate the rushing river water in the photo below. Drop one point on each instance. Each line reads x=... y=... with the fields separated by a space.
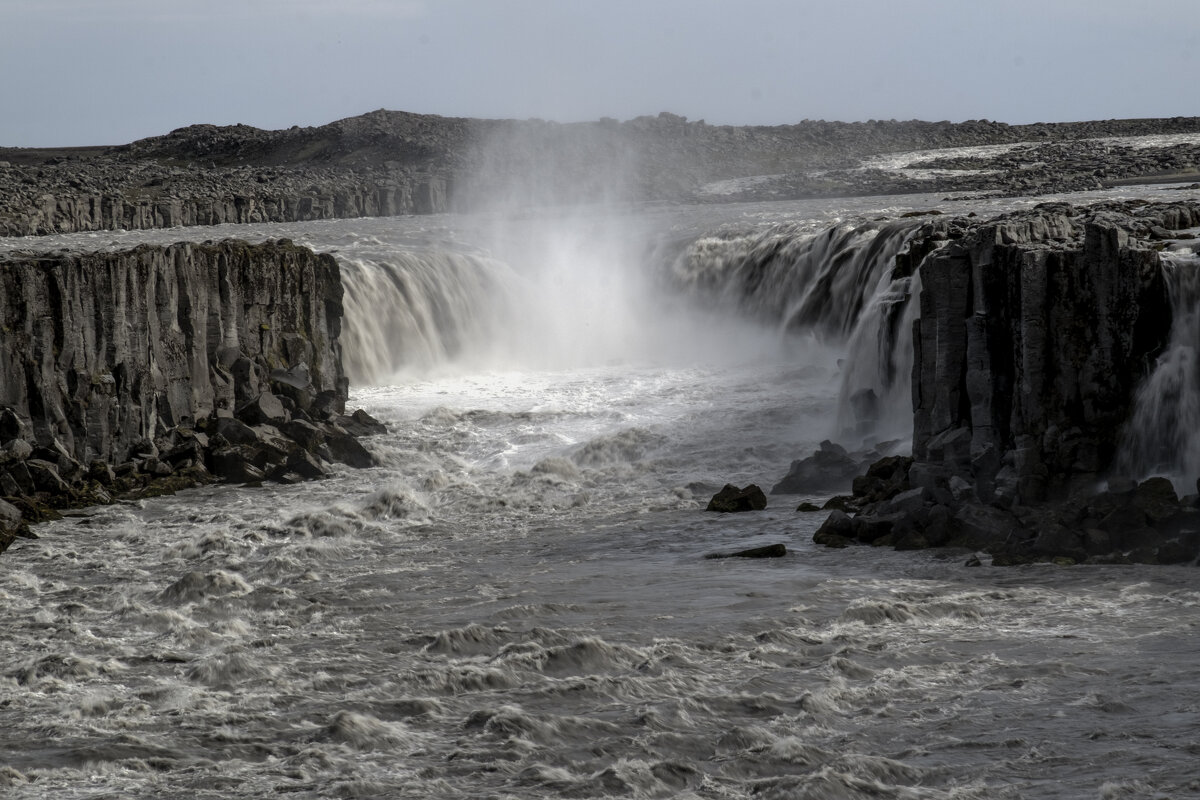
x=516 y=603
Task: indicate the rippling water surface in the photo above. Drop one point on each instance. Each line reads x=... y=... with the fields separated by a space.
x=517 y=604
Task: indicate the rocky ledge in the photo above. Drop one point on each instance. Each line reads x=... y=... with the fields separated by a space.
x=1037 y=330
x=134 y=373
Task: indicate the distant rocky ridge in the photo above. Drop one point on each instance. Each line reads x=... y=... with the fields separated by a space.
x=139 y=372
x=387 y=163
x=1036 y=331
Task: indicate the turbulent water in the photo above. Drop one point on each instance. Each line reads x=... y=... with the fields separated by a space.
x=517 y=603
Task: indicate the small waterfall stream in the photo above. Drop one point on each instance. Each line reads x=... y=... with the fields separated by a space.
x=837 y=285
x=1162 y=436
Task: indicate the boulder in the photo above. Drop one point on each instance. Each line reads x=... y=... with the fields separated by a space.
x=345 y=449
x=235 y=465
x=45 y=477
x=264 y=408
x=829 y=469
x=11 y=426
x=302 y=464
x=767 y=551
x=233 y=430
x=294 y=384
x=304 y=433
x=836 y=531
x=15 y=450
x=733 y=499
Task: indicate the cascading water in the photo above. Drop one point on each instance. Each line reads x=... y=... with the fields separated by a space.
x=836 y=284
x=1163 y=433
x=571 y=291
x=421 y=309
x=876 y=391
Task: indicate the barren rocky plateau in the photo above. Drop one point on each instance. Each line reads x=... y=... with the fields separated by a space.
x=391 y=162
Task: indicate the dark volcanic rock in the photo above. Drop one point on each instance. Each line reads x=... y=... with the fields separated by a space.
x=1036 y=331
x=831 y=468
x=731 y=499
x=10 y=524
x=767 y=551
x=134 y=363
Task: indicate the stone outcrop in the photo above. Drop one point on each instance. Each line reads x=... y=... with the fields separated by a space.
x=1036 y=330
x=236 y=195
x=160 y=367
x=830 y=469
x=734 y=499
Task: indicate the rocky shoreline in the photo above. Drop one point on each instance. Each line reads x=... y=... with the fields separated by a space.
x=141 y=372
x=1036 y=331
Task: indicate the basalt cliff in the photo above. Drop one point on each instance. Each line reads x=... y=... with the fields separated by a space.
x=146 y=370
x=1037 y=331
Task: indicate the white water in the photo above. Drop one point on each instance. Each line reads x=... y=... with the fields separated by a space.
x=1163 y=433
x=517 y=605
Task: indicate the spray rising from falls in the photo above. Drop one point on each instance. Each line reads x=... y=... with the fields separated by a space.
x=559 y=292
x=840 y=285
x=594 y=291
x=1163 y=433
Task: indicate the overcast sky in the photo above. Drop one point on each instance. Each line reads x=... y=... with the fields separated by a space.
x=76 y=72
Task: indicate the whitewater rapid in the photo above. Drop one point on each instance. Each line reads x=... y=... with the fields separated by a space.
x=516 y=603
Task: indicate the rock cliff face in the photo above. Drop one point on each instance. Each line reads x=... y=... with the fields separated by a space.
x=184 y=363
x=235 y=198
x=1036 y=331
x=103 y=350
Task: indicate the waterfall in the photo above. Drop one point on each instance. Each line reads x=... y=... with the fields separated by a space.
x=421 y=309
x=786 y=276
x=1162 y=436
x=585 y=292
x=838 y=285
x=876 y=391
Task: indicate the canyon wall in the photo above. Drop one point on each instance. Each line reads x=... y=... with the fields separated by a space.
x=1036 y=331
x=174 y=364
x=231 y=201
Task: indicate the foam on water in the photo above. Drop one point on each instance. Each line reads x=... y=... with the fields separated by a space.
x=516 y=604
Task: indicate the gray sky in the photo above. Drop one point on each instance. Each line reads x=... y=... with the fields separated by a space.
x=78 y=72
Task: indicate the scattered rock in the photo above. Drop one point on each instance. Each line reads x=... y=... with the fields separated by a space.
x=829 y=469
x=768 y=551
x=732 y=499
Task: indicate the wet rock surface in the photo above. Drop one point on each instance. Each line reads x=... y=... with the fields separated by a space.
x=141 y=372
x=1036 y=330
x=831 y=468
x=733 y=499
x=766 y=551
